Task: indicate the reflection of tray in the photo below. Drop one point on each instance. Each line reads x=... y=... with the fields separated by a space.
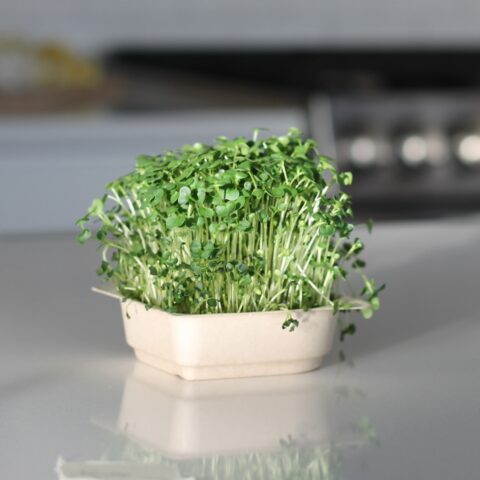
x=170 y=429
x=55 y=100
x=182 y=420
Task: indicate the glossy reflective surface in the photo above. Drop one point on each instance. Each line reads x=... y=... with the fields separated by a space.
x=399 y=400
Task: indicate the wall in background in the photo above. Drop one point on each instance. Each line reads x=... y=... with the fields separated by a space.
x=91 y=24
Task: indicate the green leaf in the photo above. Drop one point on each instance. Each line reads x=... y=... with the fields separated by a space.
x=208 y=250
x=184 y=195
x=345 y=178
x=292 y=191
x=196 y=247
x=244 y=225
x=223 y=210
x=143 y=160
x=367 y=313
x=232 y=194
x=358 y=263
x=290 y=323
x=205 y=212
x=201 y=194
x=174 y=196
x=103 y=269
x=257 y=193
x=175 y=221
x=240 y=202
x=96 y=208
x=375 y=303
x=212 y=302
x=101 y=234
x=327 y=230
x=186 y=173
x=242 y=268
x=158 y=195
x=245 y=280
x=278 y=192
x=83 y=236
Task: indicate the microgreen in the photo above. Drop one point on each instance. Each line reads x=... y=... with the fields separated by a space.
x=240 y=226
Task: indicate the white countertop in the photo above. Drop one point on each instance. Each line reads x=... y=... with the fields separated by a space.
x=404 y=404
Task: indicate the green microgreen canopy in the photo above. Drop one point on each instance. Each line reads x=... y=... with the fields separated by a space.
x=242 y=225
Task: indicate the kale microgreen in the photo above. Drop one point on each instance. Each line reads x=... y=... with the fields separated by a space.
x=243 y=225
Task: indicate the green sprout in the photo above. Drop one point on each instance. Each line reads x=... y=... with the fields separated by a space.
x=243 y=225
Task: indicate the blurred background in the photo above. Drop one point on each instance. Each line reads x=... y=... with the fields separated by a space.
x=392 y=90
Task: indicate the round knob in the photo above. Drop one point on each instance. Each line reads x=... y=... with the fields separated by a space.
x=360 y=150
x=412 y=149
x=363 y=152
x=466 y=148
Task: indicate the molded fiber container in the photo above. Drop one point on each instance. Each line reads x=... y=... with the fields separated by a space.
x=226 y=345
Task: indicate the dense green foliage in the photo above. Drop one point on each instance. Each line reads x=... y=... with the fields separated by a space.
x=242 y=225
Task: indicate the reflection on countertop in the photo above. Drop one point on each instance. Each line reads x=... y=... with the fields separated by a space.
x=281 y=427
